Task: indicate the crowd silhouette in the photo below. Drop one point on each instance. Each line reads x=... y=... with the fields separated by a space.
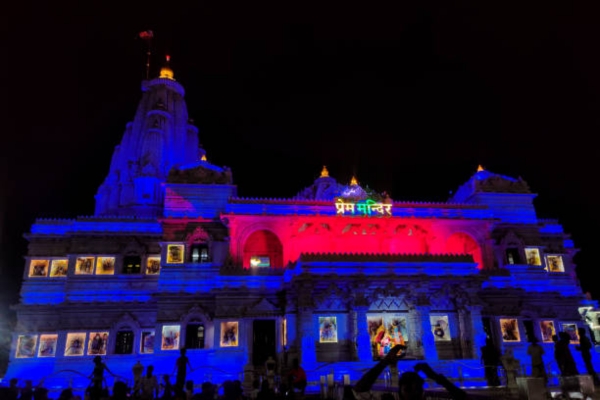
x=293 y=379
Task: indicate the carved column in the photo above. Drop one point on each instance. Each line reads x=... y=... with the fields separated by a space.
x=429 y=350
x=306 y=326
x=464 y=333
x=363 y=340
x=478 y=335
x=353 y=334
x=415 y=329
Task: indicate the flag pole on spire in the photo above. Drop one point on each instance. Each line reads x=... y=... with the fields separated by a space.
x=147 y=36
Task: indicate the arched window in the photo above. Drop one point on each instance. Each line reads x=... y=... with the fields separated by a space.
x=124 y=341
x=194 y=335
x=462 y=243
x=263 y=249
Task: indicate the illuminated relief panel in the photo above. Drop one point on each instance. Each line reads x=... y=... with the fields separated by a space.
x=260 y=261
x=547 y=330
x=75 y=344
x=26 y=346
x=571 y=329
x=532 y=255
x=175 y=253
x=38 y=268
x=105 y=266
x=84 y=266
x=48 y=345
x=97 y=343
x=554 y=263
x=386 y=331
x=328 y=330
x=170 y=337
x=147 y=342
x=229 y=334
x=59 y=267
x=440 y=328
x=509 y=328
x=153 y=265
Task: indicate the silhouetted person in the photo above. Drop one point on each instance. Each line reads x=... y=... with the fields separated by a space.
x=148 y=387
x=265 y=392
x=490 y=357
x=167 y=388
x=208 y=392
x=66 y=394
x=410 y=384
x=585 y=347
x=120 y=391
x=297 y=377
x=181 y=366
x=97 y=377
x=536 y=352
x=563 y=356
x=40 y=393
x=511 y=367
x=232 y=391
x=12 y=392
x=27 y=391
x=138 y=371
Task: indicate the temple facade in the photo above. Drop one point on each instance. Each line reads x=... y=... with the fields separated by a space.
x=335 y=276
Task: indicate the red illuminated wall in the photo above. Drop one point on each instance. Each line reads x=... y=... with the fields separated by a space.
x=284 y=238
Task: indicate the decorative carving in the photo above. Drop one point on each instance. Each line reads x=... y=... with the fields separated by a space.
x=200 y=174
x=333 y=299
x=199 y=235
x=196 y=311
x=499 y=184
x=386 y=257
x=391 y=297
x=127 y=321
x=449 y=297
x=511 y=239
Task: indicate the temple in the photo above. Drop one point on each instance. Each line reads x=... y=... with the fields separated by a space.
x=335 y=276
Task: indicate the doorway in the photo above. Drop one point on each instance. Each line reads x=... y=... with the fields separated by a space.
x=264 y=341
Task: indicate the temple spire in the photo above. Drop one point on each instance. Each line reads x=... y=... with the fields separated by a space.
x=324 y=172
x=353 y=181
x=480 y=168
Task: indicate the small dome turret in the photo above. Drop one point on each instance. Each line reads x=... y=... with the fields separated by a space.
x=166 y=71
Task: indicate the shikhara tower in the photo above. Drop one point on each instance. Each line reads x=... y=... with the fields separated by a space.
x=160 y=137
x=173 y=258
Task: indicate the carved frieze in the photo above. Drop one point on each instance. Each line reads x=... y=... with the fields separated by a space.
x=332 y=298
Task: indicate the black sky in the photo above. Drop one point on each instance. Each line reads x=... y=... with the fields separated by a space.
x=409 y=96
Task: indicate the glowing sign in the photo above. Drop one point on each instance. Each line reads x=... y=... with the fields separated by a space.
x=362 y=207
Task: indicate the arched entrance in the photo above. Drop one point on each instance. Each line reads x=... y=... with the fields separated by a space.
x=263 y=249
x=462 y=243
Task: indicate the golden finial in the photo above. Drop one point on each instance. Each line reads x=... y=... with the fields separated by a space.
x=166 y=71
x=324 y=172
x=203 y=158
x=353 y=181
x=480 y=168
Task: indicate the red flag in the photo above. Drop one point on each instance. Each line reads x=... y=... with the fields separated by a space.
x=146 y=35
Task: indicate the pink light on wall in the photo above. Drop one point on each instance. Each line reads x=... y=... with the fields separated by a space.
x=462 y=243
x=283 y=239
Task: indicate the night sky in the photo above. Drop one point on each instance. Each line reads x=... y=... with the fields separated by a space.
x=409 y=97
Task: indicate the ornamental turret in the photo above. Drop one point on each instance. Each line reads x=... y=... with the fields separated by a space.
x=159 y=138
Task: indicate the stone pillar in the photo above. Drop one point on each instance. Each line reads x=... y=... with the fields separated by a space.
x=415 y=332
x=306 y=334
x=429 y=350
x=464 y=333
x=363 y=340
x=353 y=334
x=477 y=333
